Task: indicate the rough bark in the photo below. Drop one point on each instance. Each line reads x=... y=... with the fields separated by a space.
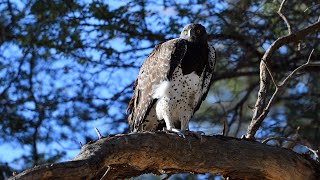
x=124 y=156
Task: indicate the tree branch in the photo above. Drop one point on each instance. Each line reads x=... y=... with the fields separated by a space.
x=284 y=17
x=124 y=156
x=260 y=111
x=296 y=142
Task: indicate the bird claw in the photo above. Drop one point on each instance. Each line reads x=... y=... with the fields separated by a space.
x=174 y=130
x=181 y=134
x=197 y=134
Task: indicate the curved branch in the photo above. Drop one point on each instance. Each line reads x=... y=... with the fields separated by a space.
x=260 y=111
x=284 y=17
x=124 y=156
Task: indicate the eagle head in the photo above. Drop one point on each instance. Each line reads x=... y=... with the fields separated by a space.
x=194 y=33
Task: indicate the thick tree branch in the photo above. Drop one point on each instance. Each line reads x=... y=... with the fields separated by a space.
x=124 y=156
x=260 y=111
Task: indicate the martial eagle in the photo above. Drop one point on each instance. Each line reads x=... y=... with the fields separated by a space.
x=172 y=82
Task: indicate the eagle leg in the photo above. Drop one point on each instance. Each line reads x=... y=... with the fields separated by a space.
x=170 y=126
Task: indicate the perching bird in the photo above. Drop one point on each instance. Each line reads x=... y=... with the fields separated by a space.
x=172 y=83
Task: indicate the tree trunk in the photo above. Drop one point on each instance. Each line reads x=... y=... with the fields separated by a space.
x=129 y=155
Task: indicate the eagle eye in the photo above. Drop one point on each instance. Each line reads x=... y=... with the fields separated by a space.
x=198 y=31
x=185 y=32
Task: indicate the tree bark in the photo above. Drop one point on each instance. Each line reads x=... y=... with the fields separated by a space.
x=129 y=155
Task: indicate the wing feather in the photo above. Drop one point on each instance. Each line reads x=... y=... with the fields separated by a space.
x=207 y=80
x=158 y=67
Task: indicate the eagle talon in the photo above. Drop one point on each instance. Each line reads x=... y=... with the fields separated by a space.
x=174 y=130
x=181 y=134
x=197 y=134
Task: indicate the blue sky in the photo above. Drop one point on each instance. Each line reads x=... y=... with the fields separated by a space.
x=122 y=77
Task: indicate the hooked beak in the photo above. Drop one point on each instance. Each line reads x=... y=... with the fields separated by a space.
x=191 y=33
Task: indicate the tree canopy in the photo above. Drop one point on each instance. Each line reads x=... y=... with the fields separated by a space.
x=69 y=66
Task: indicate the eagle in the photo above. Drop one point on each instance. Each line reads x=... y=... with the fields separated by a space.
x=172 y=83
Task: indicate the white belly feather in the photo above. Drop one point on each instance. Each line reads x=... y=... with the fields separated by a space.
x=177 y=98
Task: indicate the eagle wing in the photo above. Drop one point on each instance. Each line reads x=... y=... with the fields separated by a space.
x=207 y=77
x=158 y=67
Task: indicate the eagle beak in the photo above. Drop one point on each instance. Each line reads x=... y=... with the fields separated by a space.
x=191 y=33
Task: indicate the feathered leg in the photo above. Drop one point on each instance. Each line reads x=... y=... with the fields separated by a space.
x=164 y=111
x=170 y=128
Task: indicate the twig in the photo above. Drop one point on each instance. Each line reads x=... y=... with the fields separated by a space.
x=98 y=133
x=314 y=6
x=315 y=152
x=105 y=174
x=284 y=17
x=167 y=177
x=294 y=137
x=310 y=56
x=265 y=141
x=285 y=81
x=225 y=129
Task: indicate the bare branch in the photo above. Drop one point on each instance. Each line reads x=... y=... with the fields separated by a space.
x=314 y=152
x=294 y=37
x=286 y=80
x=98 y=133
x=261 y=110
x=167 y=176
x=260 y=103
x=144 y=153
x=296 y=135
x=265 y=141
x=310 y=56
x=105 y=174
x=271 y=75
x=279 y=88
x=284 y=17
